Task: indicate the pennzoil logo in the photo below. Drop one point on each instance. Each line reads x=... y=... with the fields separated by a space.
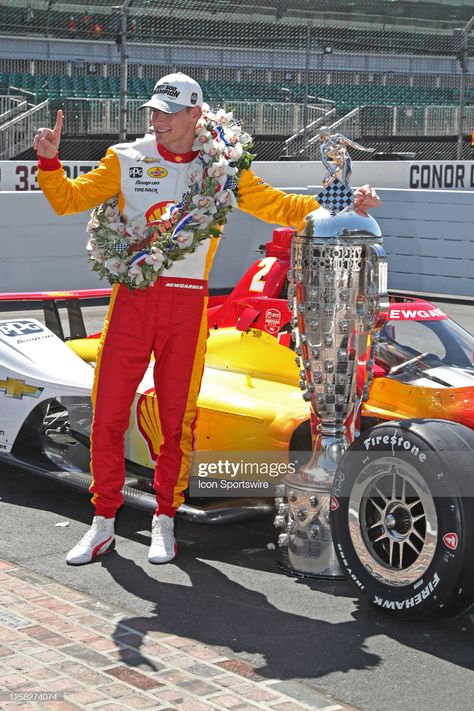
x=11 y=387
x=148 y=422
x=157 y=172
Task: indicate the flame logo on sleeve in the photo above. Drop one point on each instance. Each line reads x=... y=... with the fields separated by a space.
x=154 y=213
x=148 y=422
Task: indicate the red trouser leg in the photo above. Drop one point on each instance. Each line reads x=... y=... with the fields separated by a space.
x=123 y=357
x=179 y=351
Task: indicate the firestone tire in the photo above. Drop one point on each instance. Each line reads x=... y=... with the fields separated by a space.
x=402 y=517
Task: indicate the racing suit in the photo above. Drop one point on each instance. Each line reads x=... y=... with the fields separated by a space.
x=168 y=319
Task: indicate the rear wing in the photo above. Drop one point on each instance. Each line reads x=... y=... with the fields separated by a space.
x=52 y=301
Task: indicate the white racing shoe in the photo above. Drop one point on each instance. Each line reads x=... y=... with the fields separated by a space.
x=99 y=539
x=163 y=543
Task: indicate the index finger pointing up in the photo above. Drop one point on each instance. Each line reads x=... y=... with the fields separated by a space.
x=59 y=124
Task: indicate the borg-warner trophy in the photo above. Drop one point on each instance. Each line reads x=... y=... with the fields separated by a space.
x=337 y=292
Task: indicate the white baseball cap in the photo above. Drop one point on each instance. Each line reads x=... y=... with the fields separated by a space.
x=175 y=92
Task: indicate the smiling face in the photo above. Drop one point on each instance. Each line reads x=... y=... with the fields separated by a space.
x=176 y=132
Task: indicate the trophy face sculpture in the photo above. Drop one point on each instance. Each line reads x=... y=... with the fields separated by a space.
x=337 y=292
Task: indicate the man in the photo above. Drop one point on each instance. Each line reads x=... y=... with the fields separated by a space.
x=168 y=319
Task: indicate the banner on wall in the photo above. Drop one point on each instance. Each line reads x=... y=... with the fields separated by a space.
x=20 y=176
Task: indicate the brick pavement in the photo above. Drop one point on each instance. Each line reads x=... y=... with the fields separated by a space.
x=57 y=641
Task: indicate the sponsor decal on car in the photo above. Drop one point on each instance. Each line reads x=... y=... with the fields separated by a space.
x=272 y=320
x=12 y=329
x=410 y=601
x=334 y=504
x=148 y=422
x=450 y=540
x=157 y=172
x=11 y=387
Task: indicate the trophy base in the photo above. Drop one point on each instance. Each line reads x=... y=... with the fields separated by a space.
x=307 y=547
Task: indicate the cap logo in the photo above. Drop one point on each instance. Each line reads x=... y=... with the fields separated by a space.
x=171 y=91
x=194 y=98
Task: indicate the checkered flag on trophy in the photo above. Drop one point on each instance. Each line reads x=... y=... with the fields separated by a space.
x=336 y=196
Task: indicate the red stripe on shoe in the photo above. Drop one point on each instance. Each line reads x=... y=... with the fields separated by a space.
x=101 y=545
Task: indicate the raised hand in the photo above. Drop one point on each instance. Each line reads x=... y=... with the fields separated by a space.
x=46 y=141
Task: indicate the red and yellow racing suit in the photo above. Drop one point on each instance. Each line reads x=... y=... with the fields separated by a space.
x=168 y=319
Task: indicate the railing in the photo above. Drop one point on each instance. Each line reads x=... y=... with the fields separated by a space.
x=11 y=106
x=101 y=116
x=17 y=134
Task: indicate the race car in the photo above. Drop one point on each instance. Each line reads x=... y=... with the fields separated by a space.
x=250 y=403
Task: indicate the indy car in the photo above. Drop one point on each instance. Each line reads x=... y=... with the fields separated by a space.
x=403 y=528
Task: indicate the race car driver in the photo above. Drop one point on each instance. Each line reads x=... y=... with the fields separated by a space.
x=168 y=319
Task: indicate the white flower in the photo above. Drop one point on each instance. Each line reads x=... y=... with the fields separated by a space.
x=111 y=213
x=115 y=265
x=184 y=239
x=236 y=152
x=225 y=198
x=200 y=218
x=202 y=137
x=245 y=139
x=205 y=203
x=220 y=168
x=136 y=227
x=91 y=246
x=118 y=227
x=136 y=274
x=213 y=148
x=93 y=223
x=195 y=173
x=205 y=109
x=156 y=258
x=223 y=118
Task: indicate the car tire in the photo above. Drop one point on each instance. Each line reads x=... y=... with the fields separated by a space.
x=402 y=517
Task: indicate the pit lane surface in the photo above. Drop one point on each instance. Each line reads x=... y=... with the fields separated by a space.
x=225 y=589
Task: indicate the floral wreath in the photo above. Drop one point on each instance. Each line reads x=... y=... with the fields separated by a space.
x=134 y=253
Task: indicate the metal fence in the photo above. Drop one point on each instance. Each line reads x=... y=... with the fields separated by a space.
x=16 y=134
x=406 y=66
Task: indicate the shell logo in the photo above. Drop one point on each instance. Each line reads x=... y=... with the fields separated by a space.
x=148 y=422
x=157 y=172
x=154 y=213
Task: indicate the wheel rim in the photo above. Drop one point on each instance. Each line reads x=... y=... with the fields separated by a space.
x=392 y=521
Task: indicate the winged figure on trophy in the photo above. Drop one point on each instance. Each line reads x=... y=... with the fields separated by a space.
x=336 y=159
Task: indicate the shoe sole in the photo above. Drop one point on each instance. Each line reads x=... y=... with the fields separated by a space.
x=110 y=549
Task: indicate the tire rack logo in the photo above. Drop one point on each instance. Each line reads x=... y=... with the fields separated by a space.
x=334 y=505
x=450 y=540
x=272 y=320
x=11 y=387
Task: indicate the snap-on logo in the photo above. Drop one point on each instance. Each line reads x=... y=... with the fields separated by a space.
x=157 y=172
x=450 y=540
x=395 y=441
x=334 y=505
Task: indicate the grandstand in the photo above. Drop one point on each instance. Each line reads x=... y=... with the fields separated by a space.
x=391 y=66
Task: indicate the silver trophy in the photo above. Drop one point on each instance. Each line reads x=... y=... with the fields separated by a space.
x=337 y=293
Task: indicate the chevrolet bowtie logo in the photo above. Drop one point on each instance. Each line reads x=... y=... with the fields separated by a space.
x=17 y=388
